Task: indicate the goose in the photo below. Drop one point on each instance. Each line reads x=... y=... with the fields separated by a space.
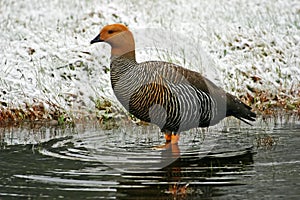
x=174 y=98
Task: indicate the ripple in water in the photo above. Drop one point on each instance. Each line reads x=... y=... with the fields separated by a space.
x=133 y=149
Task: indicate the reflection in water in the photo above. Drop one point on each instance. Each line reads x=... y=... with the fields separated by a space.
x=122 y=164
x=190 y=177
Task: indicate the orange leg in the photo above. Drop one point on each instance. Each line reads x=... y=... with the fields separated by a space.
x=168 y=137
x=173 y=138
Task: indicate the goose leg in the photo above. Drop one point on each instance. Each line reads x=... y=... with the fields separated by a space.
x=172 y=137
x=168 y=137
x=171 y=145
x=175 y=138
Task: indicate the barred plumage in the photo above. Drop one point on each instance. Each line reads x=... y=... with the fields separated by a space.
x=174 y=98
x=159 y=92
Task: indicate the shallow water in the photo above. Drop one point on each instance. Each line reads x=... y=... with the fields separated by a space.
x=231 y=161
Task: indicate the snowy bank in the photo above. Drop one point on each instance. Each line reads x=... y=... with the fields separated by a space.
x=46 y=56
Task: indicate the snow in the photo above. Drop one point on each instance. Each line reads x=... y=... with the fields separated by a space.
x=45 y=53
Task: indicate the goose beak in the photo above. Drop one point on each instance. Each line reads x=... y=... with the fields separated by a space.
x=96 y=39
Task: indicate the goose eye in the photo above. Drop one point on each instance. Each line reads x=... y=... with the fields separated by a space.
x=110 y=31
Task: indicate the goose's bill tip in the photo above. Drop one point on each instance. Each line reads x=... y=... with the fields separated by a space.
x=96 y=39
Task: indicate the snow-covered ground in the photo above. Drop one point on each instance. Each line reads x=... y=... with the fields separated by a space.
x=45 y=53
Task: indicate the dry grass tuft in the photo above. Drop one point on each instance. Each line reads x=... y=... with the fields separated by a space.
x=270 y=104
x=42 y=112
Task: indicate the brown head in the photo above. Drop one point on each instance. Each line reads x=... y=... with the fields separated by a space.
x=118 y=36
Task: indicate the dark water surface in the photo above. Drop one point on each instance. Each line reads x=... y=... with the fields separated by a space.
x=230 y=161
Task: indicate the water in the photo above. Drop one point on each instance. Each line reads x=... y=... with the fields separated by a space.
x=235 y=161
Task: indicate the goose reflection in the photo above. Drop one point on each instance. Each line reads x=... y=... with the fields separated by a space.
x=191 y=176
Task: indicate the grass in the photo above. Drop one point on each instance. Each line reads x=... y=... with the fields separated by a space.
x=49 y=60
x=107 y=114
x=32 y=113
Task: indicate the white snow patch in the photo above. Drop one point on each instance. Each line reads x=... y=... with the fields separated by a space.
x=45 y=52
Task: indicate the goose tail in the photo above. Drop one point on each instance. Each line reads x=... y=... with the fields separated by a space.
x=239 y=110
